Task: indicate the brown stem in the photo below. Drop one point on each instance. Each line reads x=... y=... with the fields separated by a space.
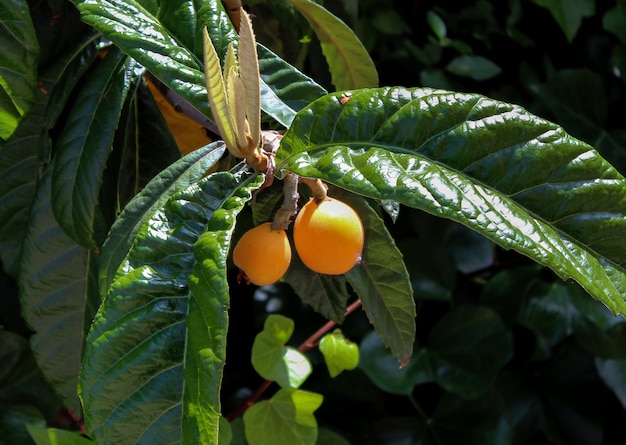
x=307 y=344
x=318 y=188
x=290 y=202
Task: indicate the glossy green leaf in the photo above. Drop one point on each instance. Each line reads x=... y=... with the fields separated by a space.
x=340 y=354
x=180 y=175
x=273 y=360
x=382 y=282
x=142 y=379
x=18 y=64
x=142 y=36
x=58 y=295
x=84 y=146
x=285 y=418
x=349 y=62
x=519 y=180
x=55 y=436
x=463 y=353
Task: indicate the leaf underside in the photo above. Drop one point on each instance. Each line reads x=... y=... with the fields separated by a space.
x=517 y=179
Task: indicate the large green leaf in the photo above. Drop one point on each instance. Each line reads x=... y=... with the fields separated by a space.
x=58 y=295
x=21 y=156
x=18 y=64
x=350 y=64
x=143 y=378
x=178 y=176
x=517 y=179
x=84 y=146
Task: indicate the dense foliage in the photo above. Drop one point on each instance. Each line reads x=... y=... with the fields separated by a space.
x=482 y=146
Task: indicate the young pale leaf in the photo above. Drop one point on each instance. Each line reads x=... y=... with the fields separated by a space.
x=349 y=62
x=517 y=179
x=249 y=71
x=339 y=353
x=141 y=355
x=285 y=418
x=180 y=175
x=18 y=64
x=84 y=146
x=273 y=360
x=58 y=295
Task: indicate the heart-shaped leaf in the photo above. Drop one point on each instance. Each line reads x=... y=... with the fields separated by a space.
x=339 y=353
x=273 y=360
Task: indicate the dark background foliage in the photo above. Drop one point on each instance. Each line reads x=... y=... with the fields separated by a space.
x=515 y=355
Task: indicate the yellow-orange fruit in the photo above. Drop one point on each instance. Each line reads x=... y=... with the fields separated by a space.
x=263 y=254
x=328 y=236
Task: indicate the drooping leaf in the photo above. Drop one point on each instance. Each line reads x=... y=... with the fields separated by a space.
x=84 y=146
x=273 y=360
x=18 y=64
x=59 y=296
x=340 y=354
x=517 y=179
x=139 y=382
x=285 y=418
x=382 y=282
x=349 y=62
x=180 y=175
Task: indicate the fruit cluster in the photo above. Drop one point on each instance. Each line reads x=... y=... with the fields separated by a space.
x=328 y=236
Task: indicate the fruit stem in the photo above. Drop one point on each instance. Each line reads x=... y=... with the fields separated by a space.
x=290 y=202
x=318 y=188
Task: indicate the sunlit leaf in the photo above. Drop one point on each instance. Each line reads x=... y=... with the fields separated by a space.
x=519 y=180
x=285 y=418
x=350 y=64
x=18 y=64
x=273 y=360
x=55 y=436
x=340 y=354
x=149 y=342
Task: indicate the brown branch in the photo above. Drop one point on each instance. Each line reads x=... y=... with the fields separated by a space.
x=307 y=344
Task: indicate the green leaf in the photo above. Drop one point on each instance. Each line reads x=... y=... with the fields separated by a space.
x=147 y=347
x=180 y=175
x=473 y=67
x=463 y=353
x=285 y=418
x=489 y=165
x=340 y=354
x=139 y=34
x=55 y=436
x=18 y=64
x=59 y=295
x=350 y=64
x=383 y=284
x=84 y=146
x=207 y=322
x=614 y=21
x=273 y=360
x=569 y=13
